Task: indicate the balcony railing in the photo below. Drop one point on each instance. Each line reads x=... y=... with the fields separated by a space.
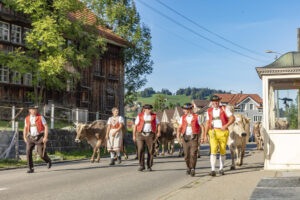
x=113 y=77
x=99 y=74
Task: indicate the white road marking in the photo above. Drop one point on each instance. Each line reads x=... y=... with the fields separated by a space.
x=1 y=189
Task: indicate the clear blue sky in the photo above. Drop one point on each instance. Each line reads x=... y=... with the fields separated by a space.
x=182 y=59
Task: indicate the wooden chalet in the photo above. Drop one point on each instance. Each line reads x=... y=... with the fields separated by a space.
x=100 y=88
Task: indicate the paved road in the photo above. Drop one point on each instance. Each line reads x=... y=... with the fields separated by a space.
x=83 y=180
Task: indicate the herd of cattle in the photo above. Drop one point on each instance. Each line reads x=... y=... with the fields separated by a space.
x=95 y=133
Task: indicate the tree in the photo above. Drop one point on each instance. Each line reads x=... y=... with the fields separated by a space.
x=123 y=18
x=165 y=91
x=159 y=103
x=147 y=92
x=47 y=54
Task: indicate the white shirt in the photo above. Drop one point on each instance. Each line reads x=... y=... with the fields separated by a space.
x=147 y=126
x=33 y=129
x=189 y=118
x=217 y=123
x=114 y=121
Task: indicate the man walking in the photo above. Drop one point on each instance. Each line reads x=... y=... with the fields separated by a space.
x=35 y=133
x=146 y=126
x=189 y=128
x=218 y=119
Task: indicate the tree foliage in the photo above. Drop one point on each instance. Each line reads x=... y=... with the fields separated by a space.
x=199 y=93
x=159 y=103
x=147 y=92
x=47 y=52
x=122 y=17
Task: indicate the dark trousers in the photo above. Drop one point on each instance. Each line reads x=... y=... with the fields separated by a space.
x=141 y=141
x=29 y=147
x=190 y=149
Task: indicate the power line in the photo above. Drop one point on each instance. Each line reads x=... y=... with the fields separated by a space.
x=198 y=34
x=180 y=37
x=207 y=30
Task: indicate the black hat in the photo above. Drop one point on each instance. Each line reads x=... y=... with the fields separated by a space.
x=147 y=106
x=215 y=98
x=187 y=106
x=33 y=106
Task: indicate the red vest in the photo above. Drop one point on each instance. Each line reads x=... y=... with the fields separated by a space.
x=194 y=123
x=223 y=116
x=116 y=126
x=38 y=122
x=140 y=126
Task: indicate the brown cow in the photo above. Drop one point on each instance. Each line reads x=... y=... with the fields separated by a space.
x=258 y=135
x=95 y=134
x=167 y=138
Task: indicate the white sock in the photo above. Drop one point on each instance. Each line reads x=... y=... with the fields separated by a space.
x=213 y=159
x=118 y=154
x=112 y=155
x=222 y=160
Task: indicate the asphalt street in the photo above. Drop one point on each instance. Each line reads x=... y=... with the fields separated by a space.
x=85 y=180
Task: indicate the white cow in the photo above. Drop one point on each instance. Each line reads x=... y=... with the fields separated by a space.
x=239 y=133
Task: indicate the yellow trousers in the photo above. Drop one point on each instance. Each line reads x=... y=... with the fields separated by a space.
x=218 y=137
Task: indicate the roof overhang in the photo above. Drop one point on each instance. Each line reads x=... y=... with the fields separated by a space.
x=288 y=63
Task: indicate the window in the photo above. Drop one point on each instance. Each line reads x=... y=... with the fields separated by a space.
x=16 y=36
x=257 y=118
x=25 y=33
x=27 y=79
x=251 y=107
x=16 y=78
x=4 y=31
x=99 y=68
x=283 y=104
x=4 y=74
x=243 y=107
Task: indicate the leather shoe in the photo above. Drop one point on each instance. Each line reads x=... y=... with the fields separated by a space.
x=221 y=172
x=212 y=173
x=149 y=169
x=188 y=172
x=112 y=161
x=141 y=168
x=31 y=170
x=49 y=164
x=119 y=160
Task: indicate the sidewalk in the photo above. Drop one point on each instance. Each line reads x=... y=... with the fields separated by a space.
x=235 y=184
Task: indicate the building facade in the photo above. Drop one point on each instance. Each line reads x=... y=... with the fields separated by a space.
x=249 y=105
x=100 y=88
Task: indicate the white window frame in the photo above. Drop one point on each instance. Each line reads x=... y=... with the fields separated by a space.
x=251 y=106
x=16 y=34
x=16 y=77
x=257 y=118
x=27 y=79
x=4 y=31
x=4 y=74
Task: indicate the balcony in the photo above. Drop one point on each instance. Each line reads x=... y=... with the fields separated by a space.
x=113 y=77
x=98 y=74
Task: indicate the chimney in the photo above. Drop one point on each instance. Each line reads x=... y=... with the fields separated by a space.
x=298 y=39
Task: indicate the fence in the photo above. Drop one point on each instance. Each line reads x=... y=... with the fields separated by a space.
x=62 y=116
x=61 y=134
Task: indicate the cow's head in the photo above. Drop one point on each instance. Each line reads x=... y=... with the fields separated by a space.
x=240 y=126
x=80 y=131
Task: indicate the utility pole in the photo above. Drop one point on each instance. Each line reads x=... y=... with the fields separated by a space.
x=298 y=47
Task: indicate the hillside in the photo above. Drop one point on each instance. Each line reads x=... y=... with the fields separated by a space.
x=174 y=99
